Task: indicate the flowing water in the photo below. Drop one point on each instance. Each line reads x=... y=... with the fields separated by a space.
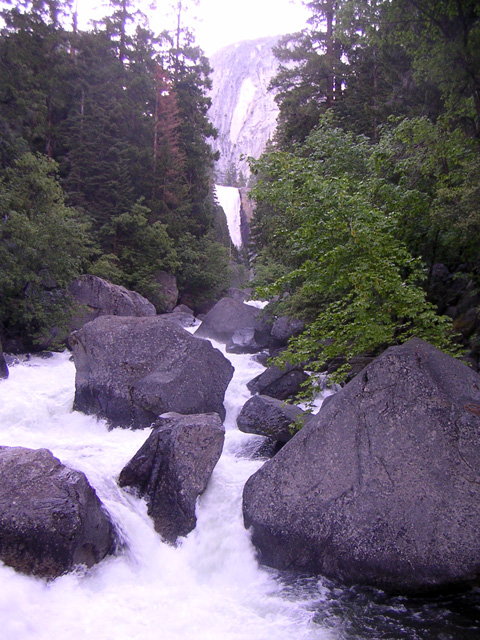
x=230 y=201
x=210 y=587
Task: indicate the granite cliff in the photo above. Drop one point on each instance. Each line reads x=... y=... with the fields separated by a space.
x=243 y=110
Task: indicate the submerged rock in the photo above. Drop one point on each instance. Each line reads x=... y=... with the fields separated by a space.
x=3 y=364
x=270 y=417
x=383 y=486
x=173 y=467
x=50 y=517
x=131 y=370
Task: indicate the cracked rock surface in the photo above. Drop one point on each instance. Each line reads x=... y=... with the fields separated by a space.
x=382 y=487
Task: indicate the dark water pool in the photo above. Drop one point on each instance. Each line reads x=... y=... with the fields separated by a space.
x=362 y=613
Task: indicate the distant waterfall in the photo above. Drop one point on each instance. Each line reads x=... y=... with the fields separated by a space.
x=230 y=201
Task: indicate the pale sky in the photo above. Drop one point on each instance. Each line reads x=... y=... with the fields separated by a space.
x=223 y=22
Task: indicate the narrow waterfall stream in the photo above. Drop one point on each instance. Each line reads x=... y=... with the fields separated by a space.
x=229 y=200
x=208 y=588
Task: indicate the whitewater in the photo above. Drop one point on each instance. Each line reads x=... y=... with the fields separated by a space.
x=230 y=201
x=209 y=587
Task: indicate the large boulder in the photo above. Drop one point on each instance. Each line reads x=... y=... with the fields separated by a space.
x=383 y=485
x=131 y=370
x=50 y=517
x=173 y=467
x=3 y=364
x=99 y=297
x=229 y=316
x=279 y=382
x=270 y=417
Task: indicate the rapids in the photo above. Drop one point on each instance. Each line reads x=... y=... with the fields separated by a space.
x=210 y=587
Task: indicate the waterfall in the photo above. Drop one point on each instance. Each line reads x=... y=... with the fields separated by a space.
x=208 y=588
x=230 y=201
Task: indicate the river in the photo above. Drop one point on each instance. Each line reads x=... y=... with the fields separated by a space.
x=210 y=587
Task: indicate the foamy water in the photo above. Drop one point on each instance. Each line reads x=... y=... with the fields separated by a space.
x=208 y=588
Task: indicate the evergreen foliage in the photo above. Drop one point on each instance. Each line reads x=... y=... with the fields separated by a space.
x=124 y=114
x=43 y=246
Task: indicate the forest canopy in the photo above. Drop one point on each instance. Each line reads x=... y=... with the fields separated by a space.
x=106 y=130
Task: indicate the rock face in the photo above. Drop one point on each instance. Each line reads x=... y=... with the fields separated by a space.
x=229 y=317
x=181 y=318
x=243 y=110
x=102 y=298
x=173 y=467
x=383 y=485
x=3 y=364
x=278 y=383
x=269 y=417
x=50 y=517
x=131 y=370
x=285 y=328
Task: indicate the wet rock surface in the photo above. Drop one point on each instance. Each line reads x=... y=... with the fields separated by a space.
x=382 y=487
x=173 y=468
x=51 y=519
x=270 y=417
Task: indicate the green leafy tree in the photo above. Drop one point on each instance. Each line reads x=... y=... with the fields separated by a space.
x=350 y=274
x=436 y=171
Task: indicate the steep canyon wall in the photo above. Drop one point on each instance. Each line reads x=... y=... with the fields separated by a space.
x=243 y=110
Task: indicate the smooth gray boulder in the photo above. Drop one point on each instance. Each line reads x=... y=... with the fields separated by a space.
x=383 y=486
x=99 y=297
x=229 y=316
x=173 y=468
x=270 y=417
x=131 y=370
x=51 y=519
x=280 y=383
